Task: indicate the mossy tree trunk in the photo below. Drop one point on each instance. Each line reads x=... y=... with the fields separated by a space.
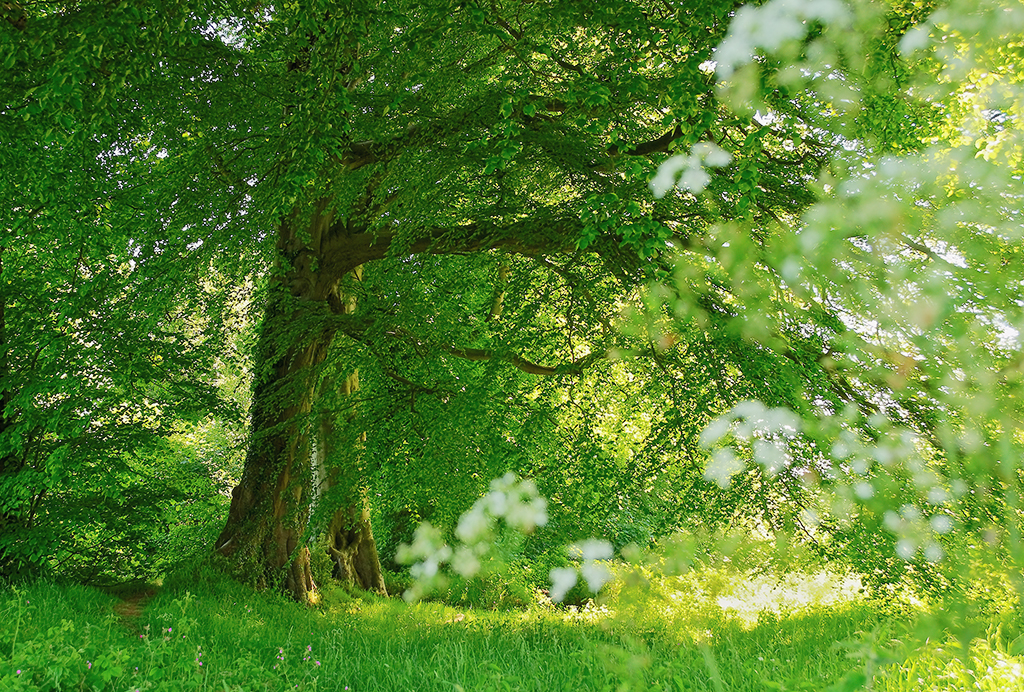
x=265 y=532
x=266 y=535
x=348 y=537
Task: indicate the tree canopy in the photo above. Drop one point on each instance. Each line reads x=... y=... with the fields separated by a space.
x=688 y=266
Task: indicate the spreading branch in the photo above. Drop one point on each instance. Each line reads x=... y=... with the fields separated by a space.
x=357 y=326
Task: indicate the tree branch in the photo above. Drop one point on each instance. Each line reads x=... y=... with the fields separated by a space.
x=14 y=14
x=355 y=327
x=654 y=146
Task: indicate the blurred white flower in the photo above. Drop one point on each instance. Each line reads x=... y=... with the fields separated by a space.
x=748 y=409
x=496 y=502
x=915 y=39
x=941 y=523
x=933 y=552
x=504 y=483
x=782 y=421
x=424 y=570
x=771 y=455
x=473 y=525
x=465 y=563
x=425 y=542
x=906 y=548
x=712 y=154
x=715 y=431
x=724 y=464
x=687 y=172
x=937 y=495
x=864 y=490
x=668 y=173
x=526 y=516
x=769 y=26
x=592 y=549
x=694 y=179
x=562 y=579
x=597 y=575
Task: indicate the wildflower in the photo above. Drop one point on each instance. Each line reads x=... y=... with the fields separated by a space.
x=19 y=671
x=89 y=664
x=318 y=663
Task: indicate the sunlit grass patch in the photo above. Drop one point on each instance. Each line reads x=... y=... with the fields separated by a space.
x=990 y=663
x=790 y=593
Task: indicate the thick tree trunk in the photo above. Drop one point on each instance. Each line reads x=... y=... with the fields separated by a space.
x=352 y=548
x=266 y=526
x=349 y=538
x=265 y=536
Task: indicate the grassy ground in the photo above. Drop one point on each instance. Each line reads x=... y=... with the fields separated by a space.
x=209 y=634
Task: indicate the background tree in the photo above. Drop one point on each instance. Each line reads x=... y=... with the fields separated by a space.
x=113 y=314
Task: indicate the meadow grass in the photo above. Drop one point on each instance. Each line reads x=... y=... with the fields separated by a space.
x=209 y=633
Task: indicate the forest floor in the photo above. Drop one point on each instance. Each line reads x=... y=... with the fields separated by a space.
x=706 y=632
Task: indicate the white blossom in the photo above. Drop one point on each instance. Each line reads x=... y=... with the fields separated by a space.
x=915 y=39
x=426 y=542
x=526 y=516
x=687 y=172
x=465 y=563
x=771 y=455
x=769 y=26
x=724 y=464
x=473 y=525
x=593 y=549
x=941 y=523
x=596 y=573
x=864 y=490
x=668 y=173
x=562 y=579
x=715 y=431
x=906 y=548
x=712 y=154
x=496 y=502
x=937 y=495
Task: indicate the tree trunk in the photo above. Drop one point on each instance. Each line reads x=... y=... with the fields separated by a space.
x=266 y=532
x=266 y=526
x=264 y=538
x=349 y=538
x=353 y=550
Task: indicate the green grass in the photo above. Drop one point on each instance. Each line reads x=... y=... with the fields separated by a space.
x=206 y=633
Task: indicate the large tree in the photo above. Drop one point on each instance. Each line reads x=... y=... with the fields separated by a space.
x=337 y=143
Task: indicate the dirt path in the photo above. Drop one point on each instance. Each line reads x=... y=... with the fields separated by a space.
x=131 y=606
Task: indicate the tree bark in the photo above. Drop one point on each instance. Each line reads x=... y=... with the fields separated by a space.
x=265 y=538
x=349 y=537
x=265 y=532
